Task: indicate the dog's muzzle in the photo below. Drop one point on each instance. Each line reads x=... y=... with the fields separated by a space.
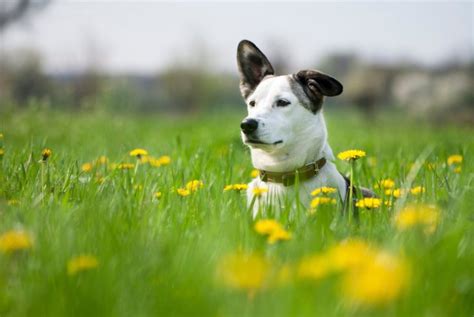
x=249 y=126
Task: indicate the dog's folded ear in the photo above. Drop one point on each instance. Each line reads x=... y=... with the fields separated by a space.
x=316 y=84
x=253 y=67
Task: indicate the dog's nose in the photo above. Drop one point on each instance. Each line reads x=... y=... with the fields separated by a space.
x=249 y=125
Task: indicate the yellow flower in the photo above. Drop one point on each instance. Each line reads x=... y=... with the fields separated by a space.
x=259 y=191
x=158 y=195
x=322 y=201
x=381 y=279
x=417 y=190
x=13 y=202
x=369 y=203
x=125 y=166
x=324 y=190
x=81 y=263
x=351 y=155
x=194 y=185
x=254 y=173
x=138 y=153
x=394 y=192
x=15 y=240
x=102 y=160
x=157 y=162
x=46 y=153
x=314 y=267
x=243 y=271
x=183 y=192
x=236 y=187
x=425 y=216
x=273 y=229
x=457 y=169
x=455 y=159
x=385 y=183
x=86 y=167
x=164 y=160
x=349 y=254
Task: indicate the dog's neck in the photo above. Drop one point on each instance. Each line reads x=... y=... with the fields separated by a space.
x=309 y=149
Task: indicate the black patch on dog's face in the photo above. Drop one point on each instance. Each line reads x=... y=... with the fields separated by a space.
x=253 y=67
x=310 y=86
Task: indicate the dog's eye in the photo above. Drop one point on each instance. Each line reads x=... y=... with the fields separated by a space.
x=282 y=103
x=252 y=103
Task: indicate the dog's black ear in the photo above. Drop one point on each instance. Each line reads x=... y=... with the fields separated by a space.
x=316 y=84
x=253 y=67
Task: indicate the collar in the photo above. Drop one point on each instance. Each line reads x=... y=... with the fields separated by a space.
x=288 y=178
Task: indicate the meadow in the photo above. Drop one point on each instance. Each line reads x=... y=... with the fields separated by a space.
x=89 y=230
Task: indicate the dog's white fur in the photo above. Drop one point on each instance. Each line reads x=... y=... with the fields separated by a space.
x=304 y=140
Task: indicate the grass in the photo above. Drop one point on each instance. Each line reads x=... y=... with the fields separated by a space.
x=163 y=256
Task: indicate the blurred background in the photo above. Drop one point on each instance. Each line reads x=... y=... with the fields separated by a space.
x=150 y=56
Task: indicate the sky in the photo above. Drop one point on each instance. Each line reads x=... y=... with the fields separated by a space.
x=150 y=36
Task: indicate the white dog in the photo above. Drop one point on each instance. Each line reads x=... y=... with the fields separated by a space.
x=285 y=129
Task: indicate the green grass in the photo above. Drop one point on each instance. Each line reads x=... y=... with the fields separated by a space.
x=159 y=257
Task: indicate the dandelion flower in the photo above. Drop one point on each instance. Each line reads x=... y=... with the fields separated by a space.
x=397 y=193
x=158 y=195
x=457 y=170
x=15 y=240
x=81 y=263
x=183 y=192
x=273 y=229
x=415 y=191
x=349 y=254
x=254 y=173
x=194 y=185
x=455 y=159
x=323 y=190
x=243 y=271
x=369 y=203
x=425 y=216
x=125 y=166
x=322 y=201
x=385 y=183
x=351 y=155
x=86 y=167
x=102 y=160
x=380 y=280
x=235 y=187
x=164 y=160
x=259 y=191
x=314 y=267
x=279 y=235
x=46 y=153
x=138 y=153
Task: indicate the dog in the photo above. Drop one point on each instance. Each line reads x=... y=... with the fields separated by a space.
x=286 y=131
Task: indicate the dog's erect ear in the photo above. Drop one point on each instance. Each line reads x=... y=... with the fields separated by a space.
x=253 y=67
x=316 y=84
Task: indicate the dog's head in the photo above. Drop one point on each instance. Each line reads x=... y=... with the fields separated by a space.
x=282 y=110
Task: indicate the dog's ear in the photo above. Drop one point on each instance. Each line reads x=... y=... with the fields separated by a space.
x=253 y=67
x=316 y=84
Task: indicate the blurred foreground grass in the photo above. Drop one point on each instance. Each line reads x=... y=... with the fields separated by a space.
x=167 y=254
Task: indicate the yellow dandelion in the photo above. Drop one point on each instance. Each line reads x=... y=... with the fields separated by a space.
x=81 y=263
x=369 y=203
x=125 y=166
x=235 y=187
x=46 y=153
x=397 y=193
x=385 y=183
x=254 y=173
x=15 y=240
x=259 y=191
x=86 y=167
x=322 y=201
x=194 y=185
x=314 y=267
x=415 y=191
x=164 y=160
x=183 y=192
x=279 y=235
x=323 y=190
x=457 y=170
x=455 y=159
x=158 y=195
x=138 y=153
x=349 y=254
x=267 y=226
x=380 y=280
x=102 y=160
x=243 y=271
x=422 y=215
x=351 y=155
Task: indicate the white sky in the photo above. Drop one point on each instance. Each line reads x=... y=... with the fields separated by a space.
x=146 y=36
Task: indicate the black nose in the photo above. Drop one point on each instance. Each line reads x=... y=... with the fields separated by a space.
x=249 y=125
